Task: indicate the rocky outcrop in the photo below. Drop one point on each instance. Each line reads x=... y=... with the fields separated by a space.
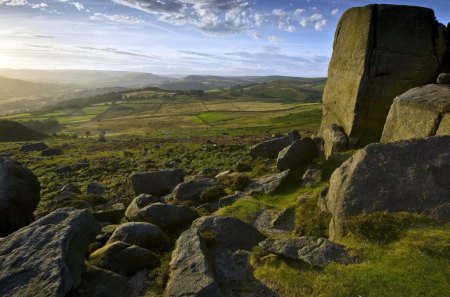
x=156 y=183
x=19 y=196
x=137 y=204
x=318 y=252
x=376 y=56
x=299 y=153
x=47 y=257
x=191 y=274
x=167 y=216
x=420 y=112
x=145 y=235
x=408 y=176
x=311 y=177
x=336 y=140
x=268 y=184
x=270 y=148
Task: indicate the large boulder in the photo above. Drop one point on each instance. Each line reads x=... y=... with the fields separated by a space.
x=191 y=274
x=420 y=112
x=46 y=258
x=190 y=192
x=145 y=235
x=299 y=153
x=270 y=148
x=377 y=56
x=167 y=216
x=19 y=196
x=318 y=252
x=156 y=183
x=408 y=175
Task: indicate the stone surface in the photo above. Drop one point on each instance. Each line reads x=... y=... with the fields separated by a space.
x=34 y=147
x=51 y=152
x=371 y=65
x=300 y=152
x=318 y=252
x=98 y=282
x=142 y=234
x=190 y=192
x=444 y=78
x=138 y=203
x=46 y=258
x=311 y=177
x=156 y=183
x=111 y=214
x=444 y=127
x=123 y=258
x=96 y=189
x=417 y=113
x=191 y=274
x=408 y=175
x=19 y=196
x=267 y=184
x=167 y=216
x=230 y=199
x=228 y=233
x=337 y=140
x=270 y=148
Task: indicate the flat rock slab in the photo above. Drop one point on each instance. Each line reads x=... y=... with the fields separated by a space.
x=410 y=175
x=47 y=257
x=156 y=183
x=267 y=184
x=419 y=113
x=318 y=252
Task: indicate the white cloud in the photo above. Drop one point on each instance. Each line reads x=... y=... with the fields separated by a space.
x=316 y=19
x=23 y=3
x=118 y=18
x=299 y=11
x=274 y=40
x=320 y=24
x=335 y=11
x=78 y=6
x=255 y=35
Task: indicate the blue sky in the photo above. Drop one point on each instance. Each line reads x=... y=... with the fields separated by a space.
x=222 y=37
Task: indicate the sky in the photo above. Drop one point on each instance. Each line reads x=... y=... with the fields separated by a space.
x=178 y=37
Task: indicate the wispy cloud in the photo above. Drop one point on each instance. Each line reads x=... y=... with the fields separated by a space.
x=118 y=18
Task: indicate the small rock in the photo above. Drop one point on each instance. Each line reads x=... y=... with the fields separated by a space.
x=190 y=192
x=34 y=147
x=337 y=140
x=312 y=177
x=229 y=200
x=156 y=183
x=167 y=216
x=111 y=214
x=71 y=188
x=97 y=282
x=96 y=189
x=123 y=258
x=63 y=169
x=144 y=235
x=137 y=204
x=268 y=184
x=51 y=152
x=444 y=79
x=299 y=153
x=223 y=174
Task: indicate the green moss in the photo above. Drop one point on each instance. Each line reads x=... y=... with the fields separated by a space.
x=246 y=210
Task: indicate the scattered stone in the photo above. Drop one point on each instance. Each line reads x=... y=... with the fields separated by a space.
x=191 y=273
x=300 y=152
x=156 y=183
x=51 y=152
x=337 y=140
x=172 y=164
x=34 y=147
x=98 y=282
x=229 y=200
x=228 y=233
x=70 y=188
x=144 y=235
x=223 y=174
x=242 y=167
x=190 y=192
x=312 y=177
x=418 y=113
x=209 y=172
x=371 y=65
x=207 y=208
x=19 y=196
x=322 y=201
x=408 y=176
x=268 y=184
x=123 y=258
x=81 y=165
x=318 y=252
x=271 y=148
x=137 y=204
x=240 y=181
x=444 y=79
x=63 y=169
x=285 y=221
x=167 y=216
x=112 y=214
x=47 y=256
x=96 y=189
x=213 y=193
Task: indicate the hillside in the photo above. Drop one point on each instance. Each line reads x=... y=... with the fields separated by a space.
x=12 y=131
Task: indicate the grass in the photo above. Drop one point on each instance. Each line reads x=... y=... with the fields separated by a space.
x=417 y=264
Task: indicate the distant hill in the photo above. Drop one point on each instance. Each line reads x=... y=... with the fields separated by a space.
x=87 y=78
x=12 y=131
